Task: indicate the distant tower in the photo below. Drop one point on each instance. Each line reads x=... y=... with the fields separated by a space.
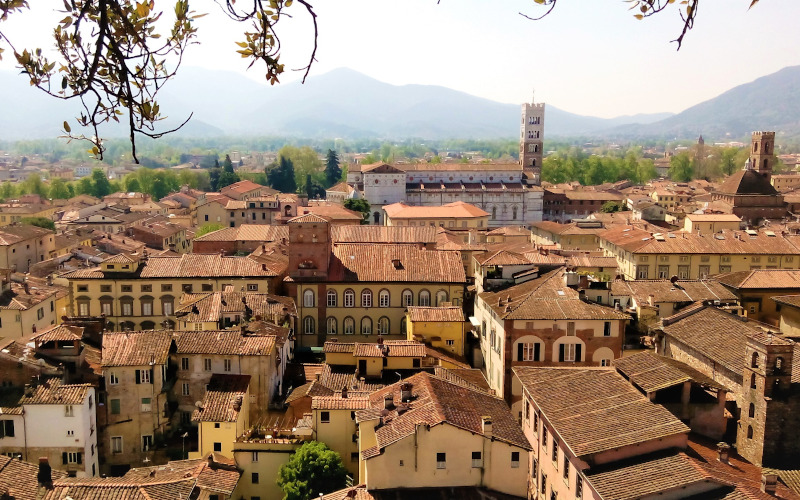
x=762 y=153
x=763 y=434
x=310 y=243
x=531 y=141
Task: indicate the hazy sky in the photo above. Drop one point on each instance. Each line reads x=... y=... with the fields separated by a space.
x=588 y=56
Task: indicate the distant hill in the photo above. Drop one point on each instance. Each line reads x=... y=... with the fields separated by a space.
x=771 y=102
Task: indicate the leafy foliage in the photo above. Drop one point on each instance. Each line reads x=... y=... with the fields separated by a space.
x=681 y=168
x=574 y=165
x=613 y=206
x=40 y=222
x=100 y=185
x=359 y=205
x=207 y=228
x=281 y=175
x=312 y=470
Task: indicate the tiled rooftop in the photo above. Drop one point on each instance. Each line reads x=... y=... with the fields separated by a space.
x=436 y=314
x=224 y=399
x=376 y=263
x=223 y=342
x=652 y=372
x=136 y=348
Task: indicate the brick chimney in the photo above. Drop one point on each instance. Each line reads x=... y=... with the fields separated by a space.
x=723 y=451
x=769 y=482
x=486 y=424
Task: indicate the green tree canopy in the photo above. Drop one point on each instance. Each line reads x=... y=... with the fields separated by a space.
x=59 y=189
x=333 y=173
x=281 y=175
x=312 y=470
x=40 y=222
x=681 y=168
x=358 y=205
x=33 y=185
x=100 y=184
x=207 y=228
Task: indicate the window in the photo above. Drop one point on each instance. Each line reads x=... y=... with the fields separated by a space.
x=116 y=444
x=514 y=459
x=146 y=406
x=578 y=486
x=226 y=365
x=308 y=325
x=7 y=428
x=425 y=298
x=366 y=298
x=754 y=360
x=408 y=298
x=167 y=305
x=528 y=351
x=83 y=288
x=569 y=352
x=166 y=288
x=331 y=298
x=477 y=461
x=544 y=437
x=749 y=432
x=127 y=307
x=113 y=379
x=607 y=329
x=252 y=287
x=441 y=297
x=207 y=364
x=254 y=478
x=751 y=411
x=218 y=447
x=544 y=483
x=642 y=272
x=147 y=288
x=126 y=288
x=69 y=411
x=752 y=380
x=383 y=298
x=450 y=342
x=105 y=308
x=185 y=389
x=331 y=326
x=308 y=298
x=349 y=298
x=143 y=377
x=555 y=453
x=566 y=466
x=349 y=326
x=366 y=326
x=105 y=288
x=383 y=326
x=254 y=457
x=441 y=460
x=184 y=363
x=325 y=417
x=147 y=442
x=115 y=406
x=147 y=306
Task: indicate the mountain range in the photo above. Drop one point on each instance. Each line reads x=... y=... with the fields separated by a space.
x=347 y=104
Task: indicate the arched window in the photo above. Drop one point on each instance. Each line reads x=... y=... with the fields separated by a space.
x=749 y=432
x=754 y=360
x=752 y=380
x=366 y=298
x=167 y=305
x=514 y=212
x=349 y=298
x=752 y=411
x=107 y=305
x=349 y=325
x=766 y=164
x=127 y=326
x=308 y=298
x=331 y=326
x=408 y=298
x=146 y=302
x=331 y=298
x=383 y=326
x=126 y=305
x=366 y=325
x=766 y=148
x=441 y=297
x=755 y=147
x=308 y=325
x=376 y=217
x=383 y=298
x=148 y=325
x=494 y=212
x=425 y=298
x=403 y=326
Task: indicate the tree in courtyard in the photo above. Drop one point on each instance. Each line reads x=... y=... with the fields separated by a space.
x=610 y=207
x=312 y=470
x=39 y=221
x=33 y=185
x=100 y=185
x=333 y=173
x=207 y=228
x=680 y=168
x=358 y=205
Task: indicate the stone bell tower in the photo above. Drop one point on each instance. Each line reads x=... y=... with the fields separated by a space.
x=762 y=153
x=531 y=141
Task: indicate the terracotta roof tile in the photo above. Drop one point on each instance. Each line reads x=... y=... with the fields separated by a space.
x=666 y=291
x=604 y=411
x=370 y=263
x=761 y=278
x=747 y=182
x=224 y=398
x=502 y=258
x=210 y=307
x=225 y=342
x=457 y=209
x=59 y=333
x=390 y=349
x=136 y=348
x=652 y=372
x=19 y=478
x=337 y=402
x=436 y=314
x=383 y=234
x=681 y=242
x=189 y=265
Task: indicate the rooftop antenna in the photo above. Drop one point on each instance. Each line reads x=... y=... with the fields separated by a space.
x=533 y=96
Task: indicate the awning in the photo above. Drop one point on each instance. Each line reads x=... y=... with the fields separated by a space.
x=474 y=321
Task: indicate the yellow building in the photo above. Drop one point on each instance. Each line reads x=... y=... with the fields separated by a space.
x=670 y=200
x=15 y=212
x=135 y=368
x=212 y=210
x=789 y=312
x=428 y=432
x=441 y=327
x=344 y=290
x=580 y=235
x=23 y=245
x=456 y=215
x=711 y=223
x=648 y=255
x=333 y=422
x=371 y=360
x=223 y=414
x=138 y=292
x=29 y=307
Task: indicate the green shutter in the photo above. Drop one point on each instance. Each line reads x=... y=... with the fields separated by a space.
x=115 y=406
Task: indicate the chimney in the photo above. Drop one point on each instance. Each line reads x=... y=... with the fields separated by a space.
x=405 y=392
x=45 y=474
x=486 y=425
x=344 y=392
x=723 y=452
x=28 y=391
x=769 y=482
x=27 y=287
x=388 y=401
x=651 y=299
x=211 y=463
x=380 y=340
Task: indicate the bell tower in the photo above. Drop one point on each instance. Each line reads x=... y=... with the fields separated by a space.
x=762 y=153
x=309 y=248
x=531 y=141
x=767 y=382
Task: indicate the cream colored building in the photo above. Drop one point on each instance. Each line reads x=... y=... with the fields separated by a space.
x=15 y=212
x=29 y=307
x=661 y=255
x=23 y=245
x=135 y=368
x=711 y=223
x=455 y=215
x=223 y=414
x=428 y=432
x=134 y=292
